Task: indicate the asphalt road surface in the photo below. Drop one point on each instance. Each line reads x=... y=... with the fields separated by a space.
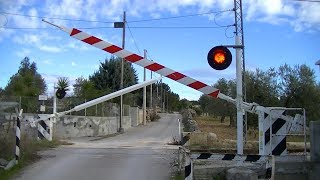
x=140 y=153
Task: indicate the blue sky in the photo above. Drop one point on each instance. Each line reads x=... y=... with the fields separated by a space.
x=276 y=32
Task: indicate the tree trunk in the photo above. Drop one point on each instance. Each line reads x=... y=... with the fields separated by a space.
x=232 y=122
x=222 y=119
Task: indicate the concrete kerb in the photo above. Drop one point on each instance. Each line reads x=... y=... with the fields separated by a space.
x=314 y=141
x=256 y=165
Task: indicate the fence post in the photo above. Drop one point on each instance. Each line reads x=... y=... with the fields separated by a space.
x=85 y=110
x=18 y=134
x=96 y=110
x=102 y=113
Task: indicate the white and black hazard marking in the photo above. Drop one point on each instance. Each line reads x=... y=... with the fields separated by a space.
x=267 y=160
x=188 y=169
x=43 y=130
x=185 y=137
x=18 y=135
x=275 y=143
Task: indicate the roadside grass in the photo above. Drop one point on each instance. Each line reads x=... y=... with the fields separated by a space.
x=29 y=149
x=224 y=131
x=177 y=177
x=227 y=135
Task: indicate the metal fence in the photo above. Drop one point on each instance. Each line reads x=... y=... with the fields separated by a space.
x=32 y=105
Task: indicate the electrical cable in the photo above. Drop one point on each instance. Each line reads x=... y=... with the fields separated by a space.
x=137 y=27
x=134 y=21
x=135 y=43
x=6 y=20
x=44 y=17
x=225 y=33
x=182 y=16
x=214 y=19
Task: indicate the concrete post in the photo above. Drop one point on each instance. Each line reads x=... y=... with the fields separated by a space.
x=239 y=99
x=314 y=140
x=241 y=173
x=144 y=93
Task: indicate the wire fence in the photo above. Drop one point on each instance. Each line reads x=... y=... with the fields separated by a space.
x=33 y=105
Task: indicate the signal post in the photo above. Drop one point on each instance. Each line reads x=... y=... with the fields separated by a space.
x=220 y=58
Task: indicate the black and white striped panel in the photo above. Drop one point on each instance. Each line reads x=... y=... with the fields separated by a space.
x=278 y=127
x=43 y=130
x=237 y=158
x=188 y=169
x=230 y=157
x=185 y=138
x=18 y=135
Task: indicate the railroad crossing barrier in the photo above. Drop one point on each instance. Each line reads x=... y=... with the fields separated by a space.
x=279 y=148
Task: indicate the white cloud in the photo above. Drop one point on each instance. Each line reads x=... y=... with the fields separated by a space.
x=308 y=16
x=73 y=63
x=51 y=49
x=47 y=61
x=77 y=45
x=36 y=40
x=65 y=8
x=27 y=22
x=300 y=15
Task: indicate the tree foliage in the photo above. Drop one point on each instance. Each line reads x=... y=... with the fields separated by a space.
x=27 y=81
x=109 y=73
x=107 y=80
x=283 y=87
x=218 y=107
x=161 y=95
x=63 y=83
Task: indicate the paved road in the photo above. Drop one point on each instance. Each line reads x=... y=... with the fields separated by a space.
x=140 y=153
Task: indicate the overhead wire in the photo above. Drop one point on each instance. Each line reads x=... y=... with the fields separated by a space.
x=58 y=18
x=135 y=27
x=134 y=21
x=106 y=27
x=182 y=16
x=135 y=43
x=6 y=20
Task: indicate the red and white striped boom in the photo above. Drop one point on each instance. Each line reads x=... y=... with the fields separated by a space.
x=160 y=69
x=139 y=60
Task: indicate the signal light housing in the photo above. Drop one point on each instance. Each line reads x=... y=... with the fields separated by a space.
x=60 y=93
x=219 y=58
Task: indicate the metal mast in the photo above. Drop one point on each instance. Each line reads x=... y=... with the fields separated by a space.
x=241 y=92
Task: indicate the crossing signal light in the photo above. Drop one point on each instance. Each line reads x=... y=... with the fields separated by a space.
x=219 y=58
x=60 y=93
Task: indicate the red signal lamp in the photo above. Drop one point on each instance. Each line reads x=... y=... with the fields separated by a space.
x=219 y=58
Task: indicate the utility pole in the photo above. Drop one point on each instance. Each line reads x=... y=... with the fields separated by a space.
x=157 y=102
x=239 y=74
x=144 y=93
x=164 y=101
x=121 y=80
x=53 y=120
x=167 y=102
x=161 y=90
x=151 y=90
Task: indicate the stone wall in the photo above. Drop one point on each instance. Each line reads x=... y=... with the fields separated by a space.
x=134 y=113
x=25 y=128
x=189 y=124
x=140 y=116
x=80 y=126
x=69 y=126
